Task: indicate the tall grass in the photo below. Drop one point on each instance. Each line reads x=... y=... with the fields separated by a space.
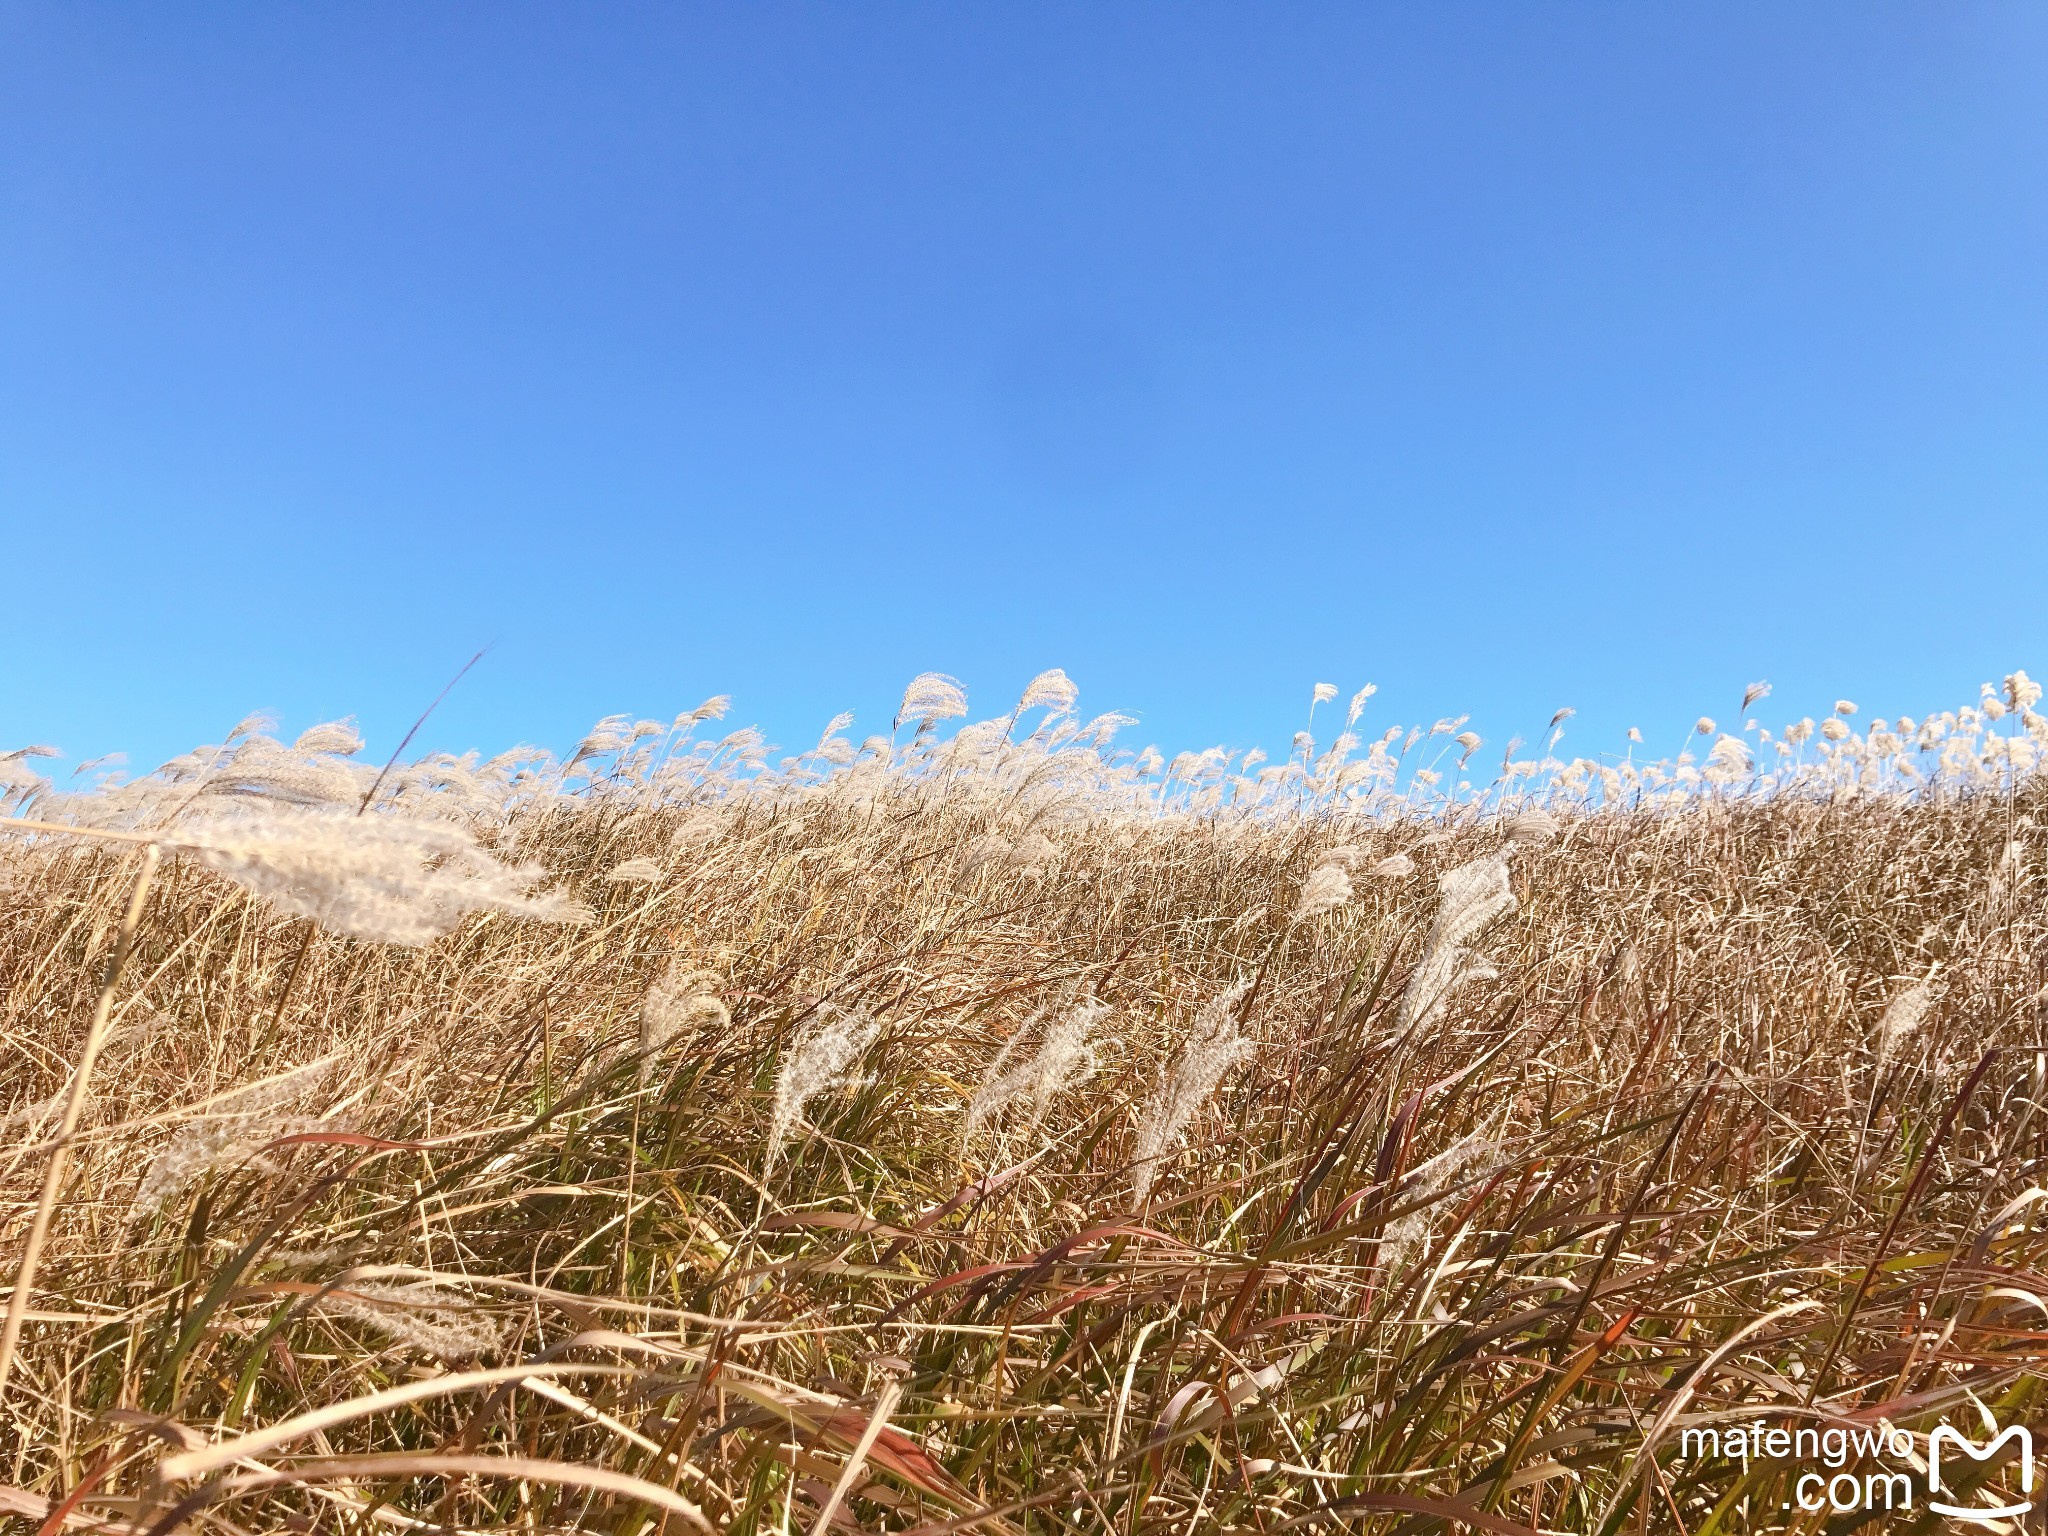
x=1002 y=1131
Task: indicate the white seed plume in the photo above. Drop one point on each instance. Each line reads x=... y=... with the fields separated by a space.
x=1052 y=689
x=614 y=733
x=2021 y=691
x=989 y=848
x=821 y=1057
x=1474 y=895
x=338 y=737
x=681 y=1000
x=1326 y=889
x=16 y=777
x=713 y=708
x=1422 y=1187
x=1214 y=1045
x=258 y=1115
x=419 y=1316
x=260 y=768
x=1533 y=827
x=932 y=696
x=1033 y=852
x=1394 y=866
x=1729 y=761
x=1902 y=1017
x=639 y=871
x=1358 y=702
x=700 y=824
x=370 y=877
x=1064 y=1059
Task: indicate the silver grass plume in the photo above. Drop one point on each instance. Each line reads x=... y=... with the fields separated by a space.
x=1326 y=889
x=681 y=999
x=259 y=1116
x=1533 y=827
x=419 y=1316
x=16 y=777
x=1033 y=852
x=700 y=824
x=641 y=871
x=833 y=727
x=370 y=877
x=262 y=768
x=1474 y=896
x=1052 y=689
x=1064 y=1059
x=1102 y=730
x=1213 y=1046
x=1902 y=1019
x=339 y=738
x=713 y=708
x=1421 y=1189
x=931 y=696
x=614 y=733
x=821 y=1057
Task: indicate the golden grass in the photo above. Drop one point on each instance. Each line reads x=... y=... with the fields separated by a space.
x=469 y=1257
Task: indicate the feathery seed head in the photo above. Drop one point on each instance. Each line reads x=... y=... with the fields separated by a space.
x=1474 y=895
x=370 y=877
x=1902 y=1018
x=1064 y=1059
x=421 y=1317
x=821 y=1057
x=682 y=1000
x=1326 y=889
x=931 y=696
x=1051 y=689
x=1213 y=1046
x=337 y=737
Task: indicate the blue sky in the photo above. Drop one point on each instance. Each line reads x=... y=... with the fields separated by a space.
x=1511 y=357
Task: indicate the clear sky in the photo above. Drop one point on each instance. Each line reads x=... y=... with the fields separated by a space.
x=1509 y=356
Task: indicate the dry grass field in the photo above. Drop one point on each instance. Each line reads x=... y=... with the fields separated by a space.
x=994 y=1129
